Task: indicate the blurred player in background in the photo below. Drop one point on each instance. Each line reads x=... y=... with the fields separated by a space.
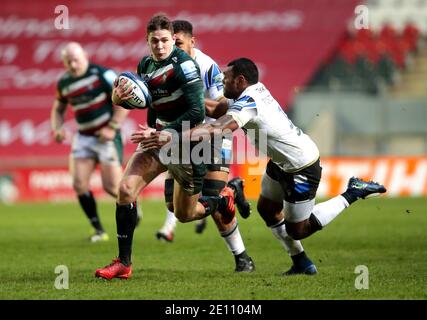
x=219 y=167
x=87 y=88
x=289 y=185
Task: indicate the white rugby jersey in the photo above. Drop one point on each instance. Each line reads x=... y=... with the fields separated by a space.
x=214 y=89
x=210 y=74
x=257 y=112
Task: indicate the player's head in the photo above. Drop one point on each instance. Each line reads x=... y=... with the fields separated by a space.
x=184 y=38
x=75 y=59
x=160 y=37
x=239 y=74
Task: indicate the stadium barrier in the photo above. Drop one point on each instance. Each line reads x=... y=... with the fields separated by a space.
x=402 y=176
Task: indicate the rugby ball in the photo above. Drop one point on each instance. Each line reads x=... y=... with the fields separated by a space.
x=141 y=97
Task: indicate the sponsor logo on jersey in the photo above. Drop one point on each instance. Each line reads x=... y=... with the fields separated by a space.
x=189 y=69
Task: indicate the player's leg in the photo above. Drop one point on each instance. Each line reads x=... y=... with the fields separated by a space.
x=270 y=207
x=141 y=169
x=167 y=231
x=304 y=216
x=82 y=165
x=242 y=204
x=213 y=183
x=110 y=155
x=325 y=212
x=187 y=202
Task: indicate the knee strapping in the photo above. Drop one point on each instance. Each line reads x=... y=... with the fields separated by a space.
x=315 y=223
x=212 y=187
x=168 y=192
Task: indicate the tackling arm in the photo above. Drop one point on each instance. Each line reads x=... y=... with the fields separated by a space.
x=193 y=92
x=216 y=109
x=207 y=130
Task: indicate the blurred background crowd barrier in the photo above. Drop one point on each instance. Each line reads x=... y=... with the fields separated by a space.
x=352 y=74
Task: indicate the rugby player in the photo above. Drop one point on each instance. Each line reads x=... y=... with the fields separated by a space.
x=290 y=182
x=218 y=169
x=174 y=82
x=87 y=88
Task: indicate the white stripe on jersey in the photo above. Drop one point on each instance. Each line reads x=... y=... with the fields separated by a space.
x=99 y=98
x=95 y=122
x=160 y=71
x=79 y=84
x=175 y=95
x=287 y=145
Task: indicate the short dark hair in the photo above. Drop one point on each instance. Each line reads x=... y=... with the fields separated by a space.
x=182 y=26
x=245 y=67
x=159 y=22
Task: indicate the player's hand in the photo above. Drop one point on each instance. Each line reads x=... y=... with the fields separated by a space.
x=156 y=140
x=121 y=91
x=142 y=134
x=105 y=134
x=59 y=135
x=150 y=138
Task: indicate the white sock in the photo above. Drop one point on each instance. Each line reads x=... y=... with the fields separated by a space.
x=292 y=246
x=170 y=222
x=327 y=211
x=233 y=240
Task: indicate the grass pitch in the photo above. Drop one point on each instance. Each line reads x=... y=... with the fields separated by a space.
x=388 y=236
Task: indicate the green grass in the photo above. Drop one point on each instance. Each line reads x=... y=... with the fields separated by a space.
x=389 y=236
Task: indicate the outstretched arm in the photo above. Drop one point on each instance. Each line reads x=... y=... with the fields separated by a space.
x=207 y=130
x=216 y=108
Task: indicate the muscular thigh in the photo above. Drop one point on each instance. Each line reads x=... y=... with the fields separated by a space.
x=271 y=189
x=271 y=211
x=298 y=189
x=299 y=186
x=141 y=169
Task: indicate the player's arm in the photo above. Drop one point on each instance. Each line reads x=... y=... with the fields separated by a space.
x=193 y=93
x=237 y=116
x=57 y=116
x=187 y=76
x=206 y=131
x=108 y=132
x=215 y=103
x=151 y=139
x=216 y=108
x=240 y=113
x=151 y=118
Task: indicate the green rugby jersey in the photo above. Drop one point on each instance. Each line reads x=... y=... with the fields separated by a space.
x=176 y=89
x=90 y=97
